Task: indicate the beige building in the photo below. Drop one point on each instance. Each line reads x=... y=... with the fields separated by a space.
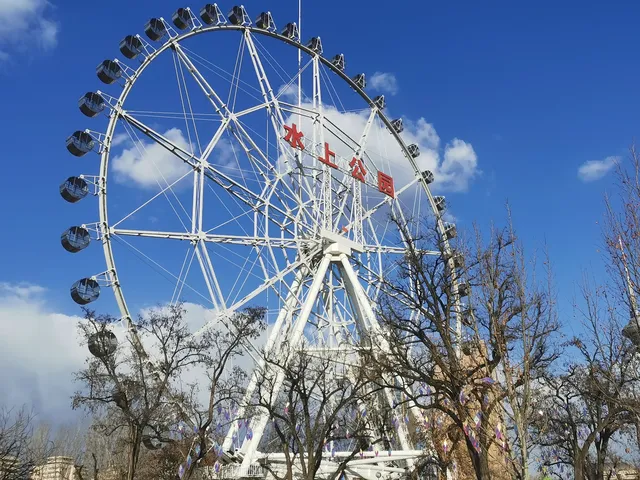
x=624 y=471
x=8 y=465
x=56 y=468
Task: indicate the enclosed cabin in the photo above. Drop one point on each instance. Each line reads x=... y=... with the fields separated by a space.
x=632 y=332
x=450 y=231
x=75 y=239
x=91 y=104
x=379 y=102
x=74 y=189
x=85 y=291
x=465 y=314
x=265 y=21
x=455 y=264
x=120 y=398
x=131 y=46
x=464 y=289
x=103 y=343
x=109 y=71
x=315 y=45
x=290 y=31
x=338 y=62
x=150 y=442
x=360 y=80
x=413 y=150
x=397 y=125
x=458 y=259
x=440 y=203
x=427 y=176
x=238 y=16
x=80 y=143
x=181 y=18
x=155 y=29
x=211 y=14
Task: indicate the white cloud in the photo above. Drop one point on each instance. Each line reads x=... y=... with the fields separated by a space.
x=39 y=351
x=596 y=169
x=119 y=139
x=147 y=163
x=459 y=166
x=384 y=82
x=20 y=290
x=288 y=93
x=24 y=23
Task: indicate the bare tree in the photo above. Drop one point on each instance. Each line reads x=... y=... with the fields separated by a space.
x=105 y=456
x=594 y=398
x=17 y=453
x=519 y=321
x=506 y=343
x=622 y=239
x=226 y=383
x=139 y=395
x=327 y=405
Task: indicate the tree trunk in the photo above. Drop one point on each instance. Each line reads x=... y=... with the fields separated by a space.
x=578 y=465
x=480 y=462
x=524 y=449
x=602 y=455
x=134 y=451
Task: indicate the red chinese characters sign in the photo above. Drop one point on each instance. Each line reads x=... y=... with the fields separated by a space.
x=385 y=184
x=293 y=136
x=328 y=155
x=357 y=169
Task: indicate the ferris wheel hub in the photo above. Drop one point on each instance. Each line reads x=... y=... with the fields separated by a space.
x=338 y=244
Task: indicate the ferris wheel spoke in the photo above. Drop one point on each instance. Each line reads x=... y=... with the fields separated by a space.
x=357 y=206
x=168 y=275
x=182 y=276
x=396 y=250
x=214 y=98
x=284 y=191
x=183 y=90
x=253 y=109
x=386 y=201
x=293 y=243
x=300 y=264
x=252 y=199
x=162 y=192
x=210 y=277
x=235 y=78
x=245 y=87
x=167 y=187
x=276 y=116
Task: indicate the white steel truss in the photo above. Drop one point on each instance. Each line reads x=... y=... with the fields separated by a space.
x=308 y=229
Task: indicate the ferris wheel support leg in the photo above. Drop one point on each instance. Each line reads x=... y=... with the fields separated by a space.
x=293 y=337
x=274 y=338
x=374 y=328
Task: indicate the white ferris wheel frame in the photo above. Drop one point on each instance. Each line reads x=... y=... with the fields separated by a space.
x=334 y=250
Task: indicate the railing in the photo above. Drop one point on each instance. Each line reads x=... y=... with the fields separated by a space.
x=235 y=471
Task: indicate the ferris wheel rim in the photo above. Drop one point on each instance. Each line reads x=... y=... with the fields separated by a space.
x=107 y=231
x=169 y=44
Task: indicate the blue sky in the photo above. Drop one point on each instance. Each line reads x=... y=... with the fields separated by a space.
x=537 y=90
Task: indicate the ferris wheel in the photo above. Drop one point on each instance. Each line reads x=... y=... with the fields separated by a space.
x=238 y=167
